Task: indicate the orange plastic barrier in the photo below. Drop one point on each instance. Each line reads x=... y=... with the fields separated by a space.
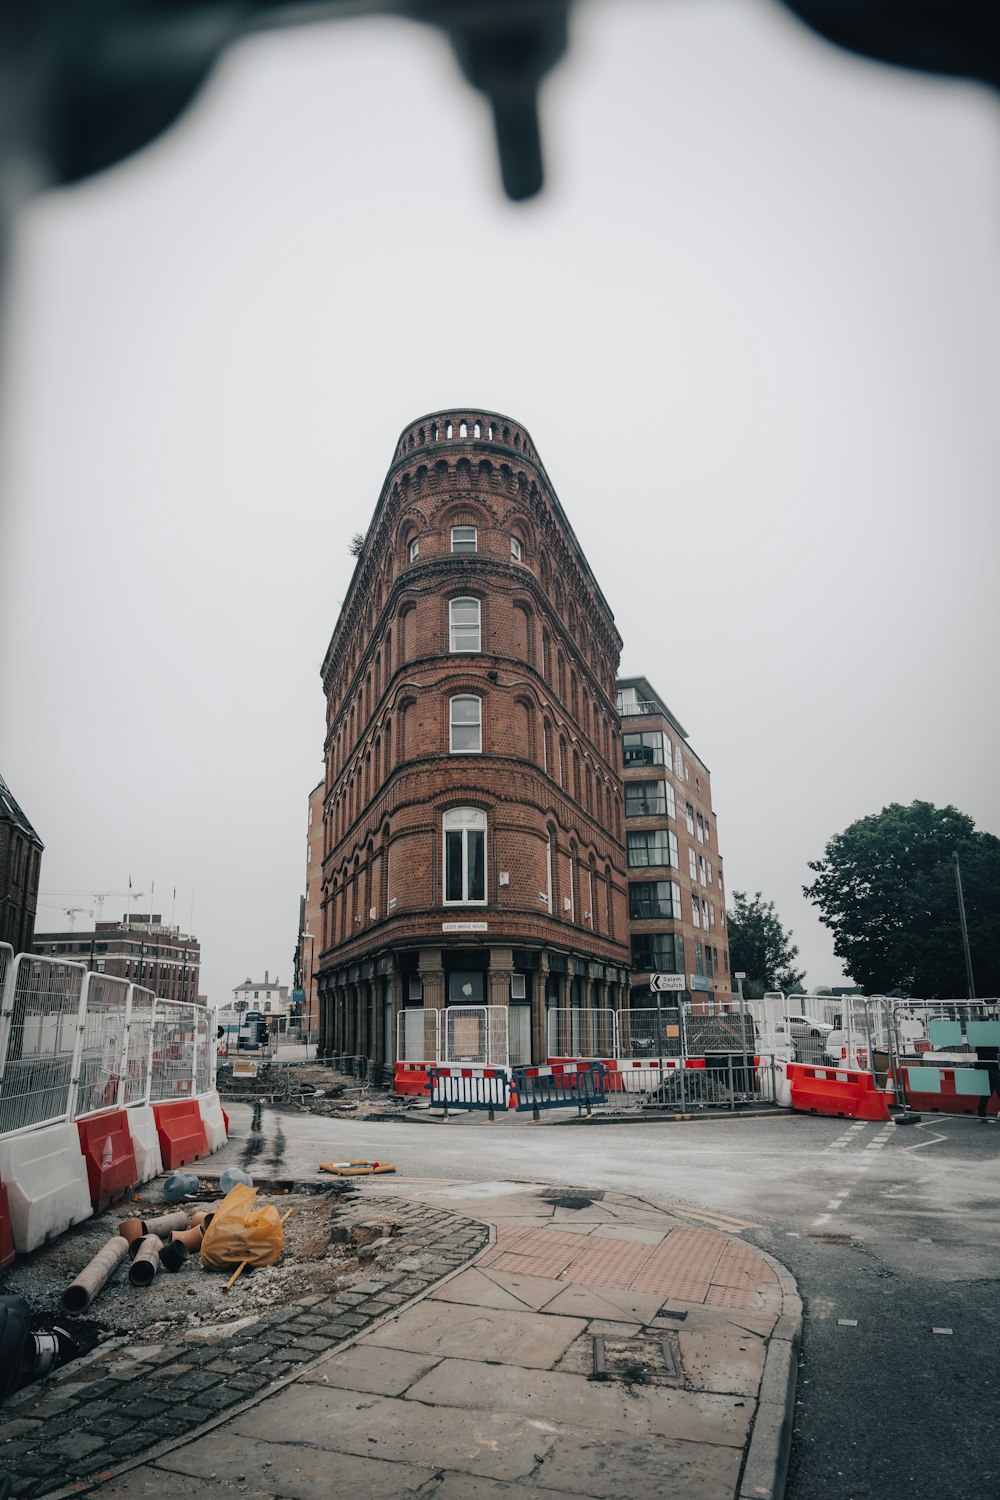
x=947 y=1101
x=836 y=1091
x=181 y=1131
x=6 y=1231
x=106 y=1144
x=412 y=1078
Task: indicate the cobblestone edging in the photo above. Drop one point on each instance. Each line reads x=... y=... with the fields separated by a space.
x=70 y=1430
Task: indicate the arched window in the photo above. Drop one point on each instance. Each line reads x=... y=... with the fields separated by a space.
x=464 y=626
x=464 y=856
x=466 y=726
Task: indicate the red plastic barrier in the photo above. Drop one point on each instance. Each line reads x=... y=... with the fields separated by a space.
x=181 y=1131
x=412 y=1079
x=836 y=1091
x=6 y=1231
x=106 y=1144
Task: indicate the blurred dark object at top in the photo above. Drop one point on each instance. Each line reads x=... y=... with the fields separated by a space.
x=85 y=83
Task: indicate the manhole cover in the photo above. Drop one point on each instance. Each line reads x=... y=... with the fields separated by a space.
x=572 y=1200
x=637 y=1361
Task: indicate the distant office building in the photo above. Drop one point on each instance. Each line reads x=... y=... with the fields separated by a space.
x=676 y=895
x=143 y=949
x=20 y=864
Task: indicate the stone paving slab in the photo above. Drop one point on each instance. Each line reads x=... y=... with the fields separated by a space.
x=361 y=1368
x=595 y=1406
x=498 y=1445
x=299 y=1471
x=514 y=1338
x=582 y=1463
x=478 y=1289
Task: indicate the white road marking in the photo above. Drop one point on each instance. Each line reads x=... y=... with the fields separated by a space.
x=848 y=1323
x=833 y=1203
x=942 y=1330
x=821 y=1220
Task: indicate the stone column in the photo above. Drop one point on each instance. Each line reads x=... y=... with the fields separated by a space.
x=539 y=1042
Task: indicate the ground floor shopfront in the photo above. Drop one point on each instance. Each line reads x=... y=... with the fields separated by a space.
x=360 y=1006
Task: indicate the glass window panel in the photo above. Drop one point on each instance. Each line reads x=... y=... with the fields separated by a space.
x=453 y=867
x=477 y=865
x=463 y=538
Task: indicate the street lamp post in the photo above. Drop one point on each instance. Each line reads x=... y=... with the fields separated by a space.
x=743 y=1021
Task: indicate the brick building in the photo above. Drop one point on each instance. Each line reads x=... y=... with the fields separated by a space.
x=676 y=895
x=20 y=864
x=307 y=943
x=143 y=949
x=473 y=818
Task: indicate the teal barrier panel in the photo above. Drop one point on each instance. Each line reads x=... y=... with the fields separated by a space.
x=924 y=1080
x=983 y=1033
x=972 y=1081
x=945 y=1033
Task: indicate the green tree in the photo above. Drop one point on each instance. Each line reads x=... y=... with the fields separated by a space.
x=886 y=889
x=760 y=947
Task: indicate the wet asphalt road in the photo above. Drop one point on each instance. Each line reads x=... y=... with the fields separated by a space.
x=890 y=1232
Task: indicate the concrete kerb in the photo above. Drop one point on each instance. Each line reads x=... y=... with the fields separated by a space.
x=765 y=1469
x=150 y=1455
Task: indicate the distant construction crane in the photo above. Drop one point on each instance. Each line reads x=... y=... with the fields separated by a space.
x=101 y=896
x=73 y=912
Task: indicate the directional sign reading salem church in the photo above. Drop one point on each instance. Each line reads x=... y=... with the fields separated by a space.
x=666 y=982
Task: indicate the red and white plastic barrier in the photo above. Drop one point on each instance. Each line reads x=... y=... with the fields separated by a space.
x=106 y=1143
x=841 y=1092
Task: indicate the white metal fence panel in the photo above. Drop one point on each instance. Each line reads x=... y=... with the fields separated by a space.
x=476 y=1035
x=581 y=1032
x=173 y=1070
x=6 y=964
x=39 y=1039
x=418 y=1035
x=649 y=1033
x=204 y=1050
x=135 y=1080
x=102 y=1043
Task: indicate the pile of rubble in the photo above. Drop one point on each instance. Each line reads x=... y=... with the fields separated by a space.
x=331 y=1236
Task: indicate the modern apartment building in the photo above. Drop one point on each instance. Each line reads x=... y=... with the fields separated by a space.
x=676 y=894
x=473 y=813
x=141 y=948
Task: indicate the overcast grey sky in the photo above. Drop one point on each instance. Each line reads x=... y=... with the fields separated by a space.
x=752 y=325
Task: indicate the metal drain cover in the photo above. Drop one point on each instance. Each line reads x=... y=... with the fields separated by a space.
x=637 y=1361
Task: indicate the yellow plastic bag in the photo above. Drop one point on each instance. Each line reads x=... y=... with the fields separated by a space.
x=239 y=1232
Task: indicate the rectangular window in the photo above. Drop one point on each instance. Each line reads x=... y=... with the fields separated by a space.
x=466 y=726
x=464 y=629
x=699 y=961
x=414 y=550
x=702 y=876
x=689 y=818
x=653 y=898
x=652 y=846
x=704 y=913
x=701 y=829
x=695 y=913
x=658 y=953
x=464 y=855
x=645 y=799
x=692 y=864
x=643 y=749
x=464 y=539
x=515 y=549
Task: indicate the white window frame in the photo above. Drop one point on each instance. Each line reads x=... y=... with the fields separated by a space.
x=460 y=544
x=455 y=626
x=414 y=549
x=463 y=820
x=692 y=864
x=455 y=723
x=516 y=550
x=695 y=911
